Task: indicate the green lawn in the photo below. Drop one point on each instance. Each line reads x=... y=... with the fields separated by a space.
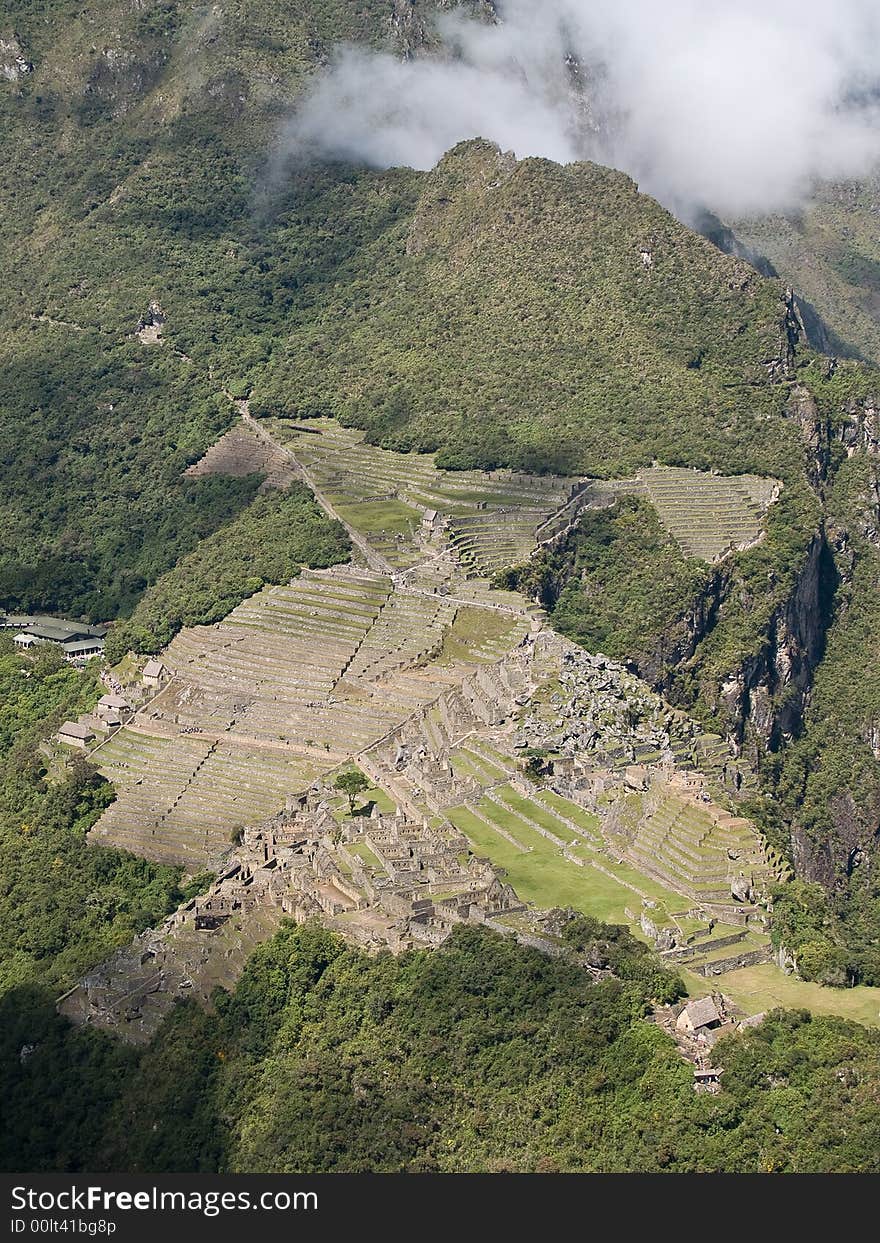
x=392 y=517
x=464 y=769
x=765 y=987
x=476 y=760
x=594 y=891
x=535 y=812
x=667 y=898
x=472 y=627
x=513 y=824
x=542 y=876
x=577 y=815
x=373 y=794
x=498 y=757
x=362 y=850
x=752 y=941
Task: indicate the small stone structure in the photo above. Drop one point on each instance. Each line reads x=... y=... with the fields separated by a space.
x=698 y=1016
x=153 y=673
x=150 y=325
x=380 y=881
x=75 y=734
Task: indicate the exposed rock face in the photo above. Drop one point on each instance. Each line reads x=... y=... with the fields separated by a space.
x=14 y=64
x=804 y=409
x=767 y=696
x=414 y=31
x=832 y=860
x=791 y=330
x=764 y=699
x=861 y=430
x=661 y=666
x=119 y=76
x=150 y=325
x=869 y=524
x=741 y=889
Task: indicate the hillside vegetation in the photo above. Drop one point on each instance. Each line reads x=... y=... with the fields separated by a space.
x=502 y=313
x=512 y=320
x=480 y=1056
x=830 y=250
x=158 y=121
x=268 y=543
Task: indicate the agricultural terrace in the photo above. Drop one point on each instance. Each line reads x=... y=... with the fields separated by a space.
x=408 y=664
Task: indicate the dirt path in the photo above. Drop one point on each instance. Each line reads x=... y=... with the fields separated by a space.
x=242 y=740
x=373 y=559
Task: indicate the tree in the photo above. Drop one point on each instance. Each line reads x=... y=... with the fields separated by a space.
x=537 y=766
x=49 y=660
x=352 y=784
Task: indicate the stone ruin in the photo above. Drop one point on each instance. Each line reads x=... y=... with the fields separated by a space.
x=347 y=664
x=696 y=1025
x=602 y=709
x=380 y=880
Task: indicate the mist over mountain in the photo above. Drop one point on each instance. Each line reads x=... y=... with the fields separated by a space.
x=234 y=232
x=741 y=108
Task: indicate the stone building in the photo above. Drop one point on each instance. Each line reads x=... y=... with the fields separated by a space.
x=153 y=673
x=698 y=1017
x=73 y=734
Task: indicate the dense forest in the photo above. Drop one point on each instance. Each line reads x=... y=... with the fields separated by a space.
x=94 y=507
x=478 y=1056
x=617 y=583
x=149 y=196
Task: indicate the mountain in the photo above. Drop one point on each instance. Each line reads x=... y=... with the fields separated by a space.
x=500 y=312
x=168 y=269
x=830 y=252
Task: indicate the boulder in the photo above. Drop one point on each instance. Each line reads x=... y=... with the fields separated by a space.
x=741 y=888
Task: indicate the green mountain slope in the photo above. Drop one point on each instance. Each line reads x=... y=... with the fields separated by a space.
x=504 y=313
x=133 y=143
x=830 y=251
x=538 y=316
x=479 y=1056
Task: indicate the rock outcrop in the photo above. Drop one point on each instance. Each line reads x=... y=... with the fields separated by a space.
x=14 y=63
x=764 y=700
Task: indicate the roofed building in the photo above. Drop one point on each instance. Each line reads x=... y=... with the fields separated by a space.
x=79 y=640
x=16 y=621
x=114 y=702
x=699 y=1016
x=154 y=672
x=75 y=735
x=83 y=649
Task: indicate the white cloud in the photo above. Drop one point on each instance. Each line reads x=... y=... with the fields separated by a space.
x=736 y=106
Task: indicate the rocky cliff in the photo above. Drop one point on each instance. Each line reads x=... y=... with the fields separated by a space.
x=764 y=699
